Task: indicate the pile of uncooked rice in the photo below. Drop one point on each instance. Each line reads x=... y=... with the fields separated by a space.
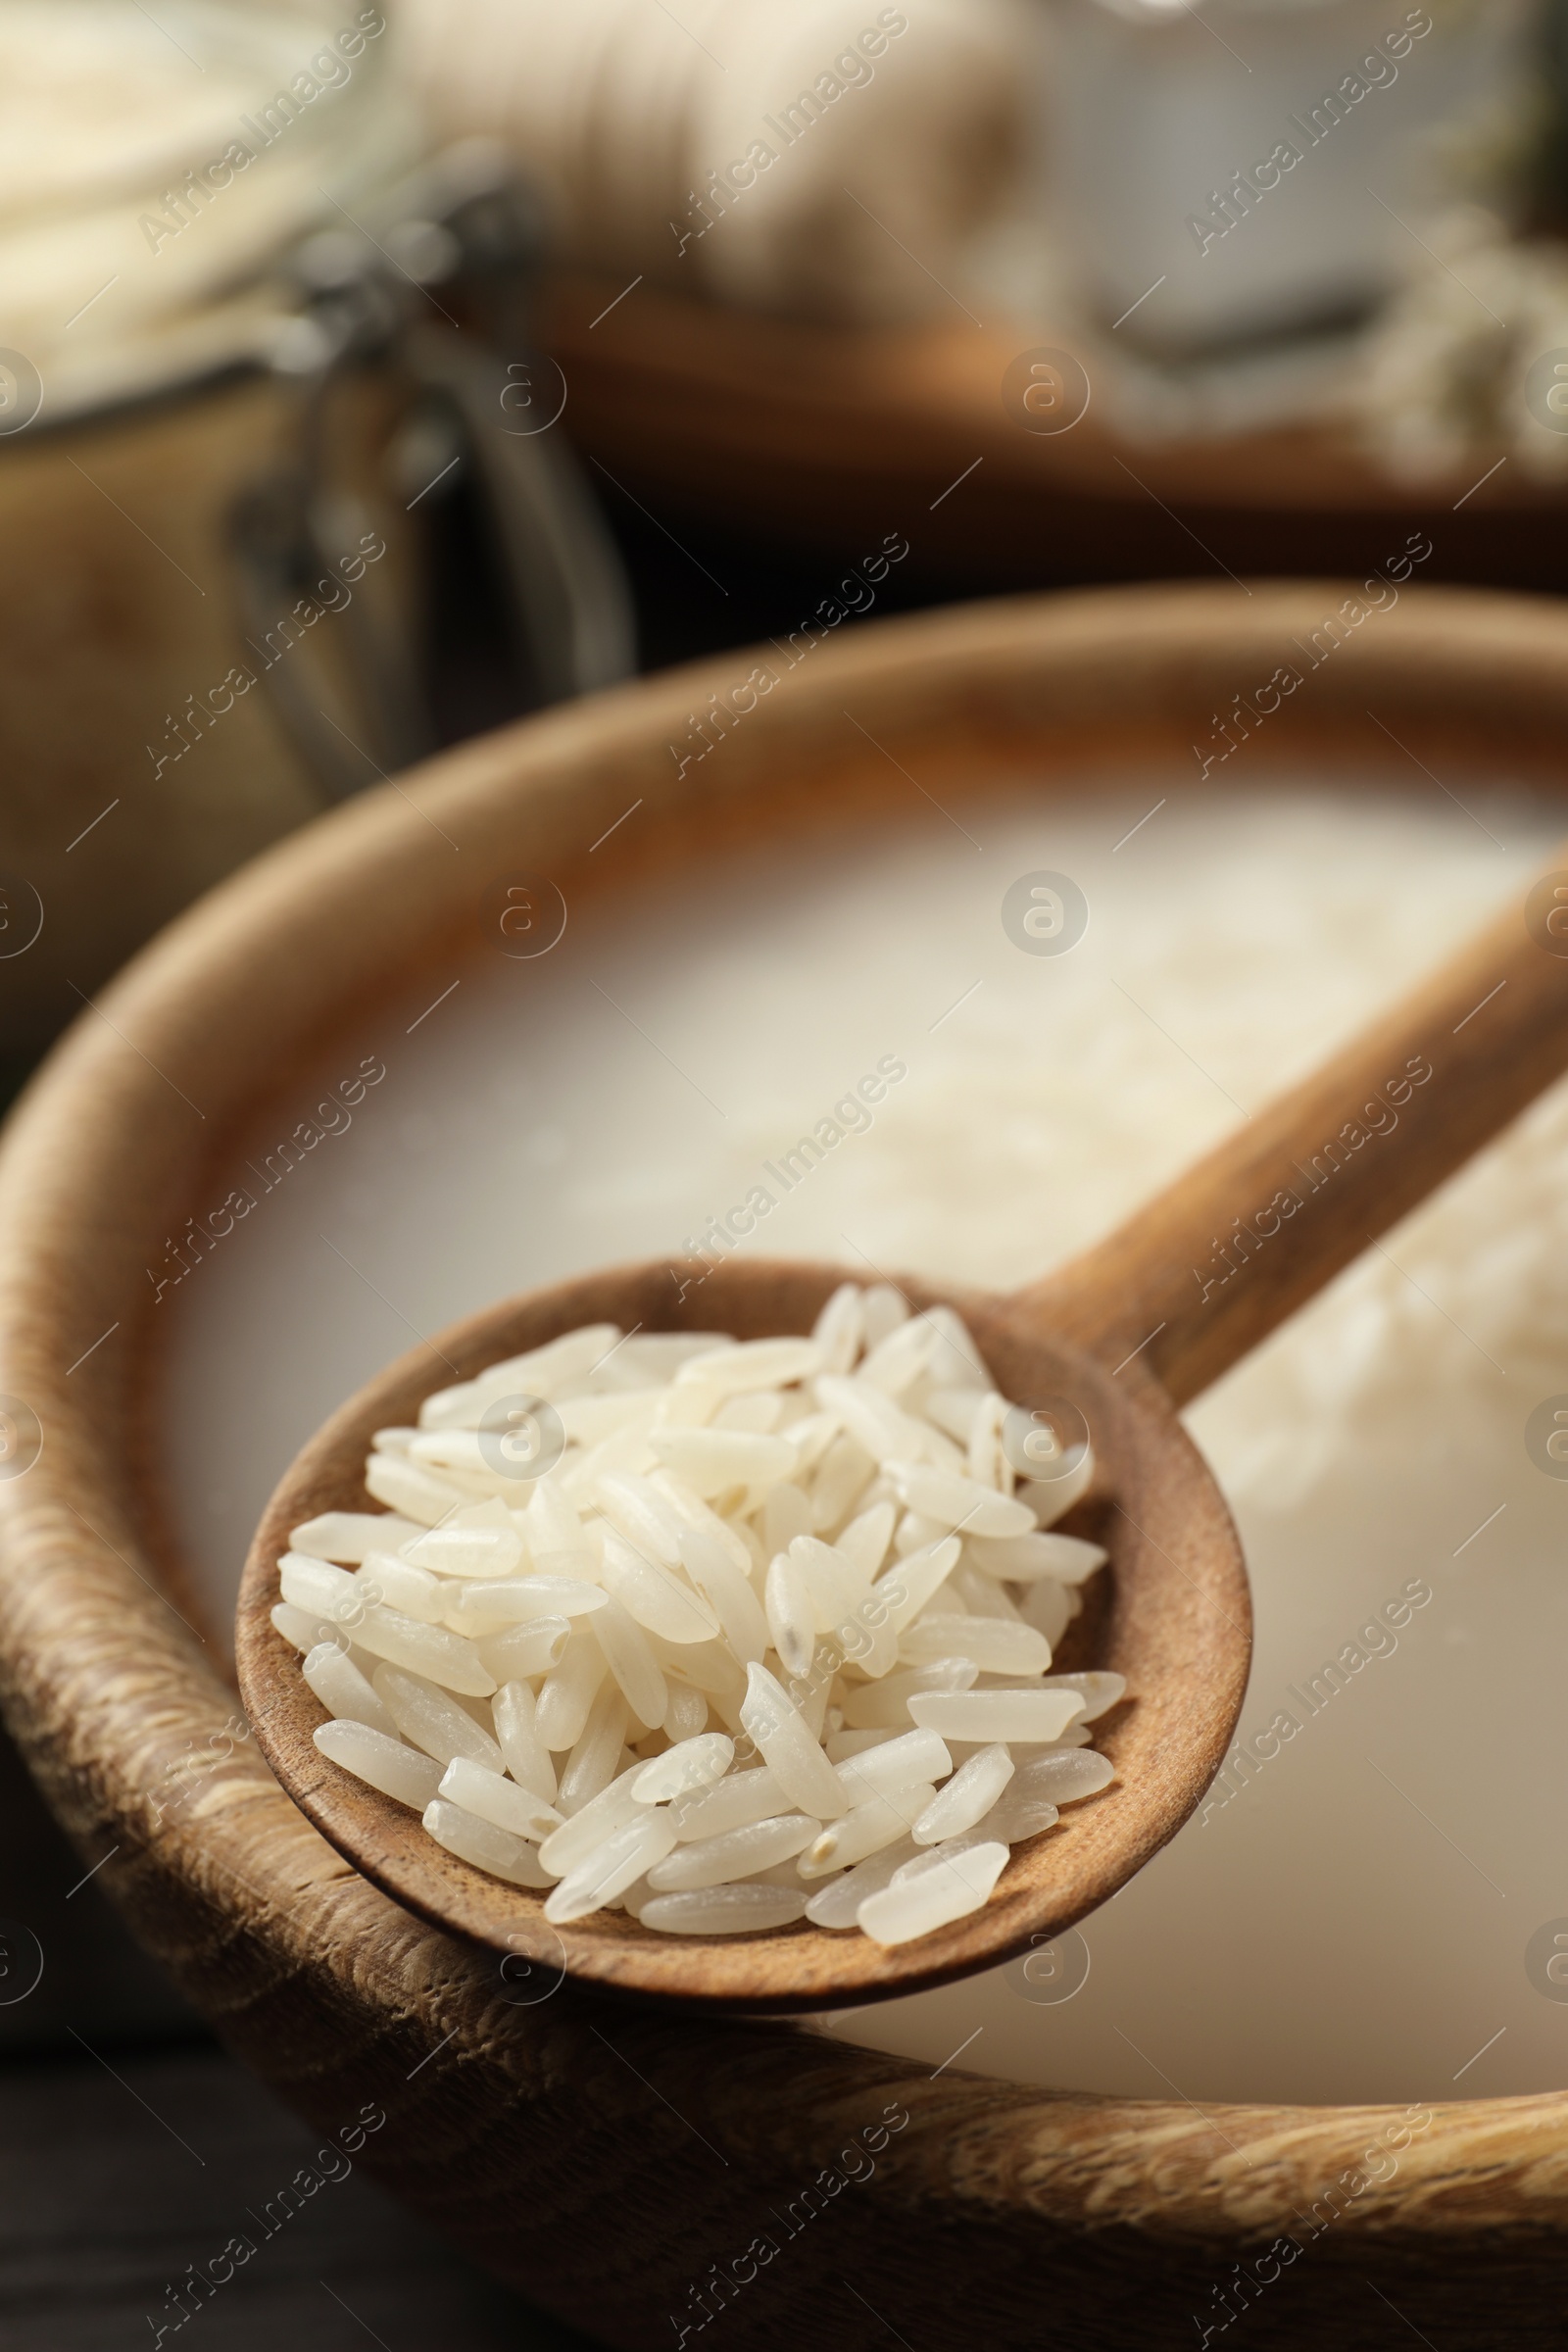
x=769 y=1638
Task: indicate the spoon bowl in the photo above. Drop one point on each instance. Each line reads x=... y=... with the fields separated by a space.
x=1170 y=1610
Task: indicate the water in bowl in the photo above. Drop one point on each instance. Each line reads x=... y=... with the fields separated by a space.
x=1368 y=1906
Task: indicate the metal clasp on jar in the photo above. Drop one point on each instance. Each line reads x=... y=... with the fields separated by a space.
x=419 y=320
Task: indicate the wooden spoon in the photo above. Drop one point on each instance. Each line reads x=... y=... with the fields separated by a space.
x=1124 y=1333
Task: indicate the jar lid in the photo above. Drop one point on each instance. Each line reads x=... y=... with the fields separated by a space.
x=153 y=169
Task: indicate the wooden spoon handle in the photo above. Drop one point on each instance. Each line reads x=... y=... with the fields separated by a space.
x=1209 y=1268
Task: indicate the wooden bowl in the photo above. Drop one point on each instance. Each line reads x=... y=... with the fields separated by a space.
x=606 y=2157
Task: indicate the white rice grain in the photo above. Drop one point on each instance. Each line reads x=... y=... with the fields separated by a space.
x=429 y=1649
x=317 y=1589
x=791 y=1614
x=344 y=1690
x=934 y=1899
x=968 y=1797
x=788 y=1748
x=734 y=1853
x=410 y=1490
x=722 y=1911
x=684 y=1769
x=714 y=1460
x=725 y=1586
x=752 y=1365
x=595 y=1758
x=813 y=1542
x=480 y=1608
x=399 y=1585
x=897 y=1758
x=864 y=1542
x=474 y=1839
x=348 y=1536
x=1063 y=1776
x=987 y=1715
x=387 y=1764
x=526 y=1757
x=1098 y=1691
x=995 y=1644
x=567 y=1693
x=495 y=1798
x=647 y=1519
x=889 y=1703
x=306 y=1628
x=433 y=1720
x=614 y=1808
x=742 y=1797
x=627 y=1854
x=880 y=1820
x=468 y=1550
x=685 y=1713
x=838 y=1904
x=660 y=1602
x=1017 y=1817
x=1021 y=1558
x=631 y=1661
x=960 y=1503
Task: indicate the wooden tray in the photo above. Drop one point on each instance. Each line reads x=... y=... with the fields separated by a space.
x=827 y=435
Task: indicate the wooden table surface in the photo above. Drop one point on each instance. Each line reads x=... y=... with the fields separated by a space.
x=132 y=2146
x=118 y=2171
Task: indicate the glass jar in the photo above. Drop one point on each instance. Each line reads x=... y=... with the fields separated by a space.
x=253 y=357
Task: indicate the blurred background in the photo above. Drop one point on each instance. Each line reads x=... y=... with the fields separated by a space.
x=370 y=376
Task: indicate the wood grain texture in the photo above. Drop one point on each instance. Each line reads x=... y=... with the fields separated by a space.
x=521 y=2128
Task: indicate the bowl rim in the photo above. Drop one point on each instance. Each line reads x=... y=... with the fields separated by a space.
x=131 y=1728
